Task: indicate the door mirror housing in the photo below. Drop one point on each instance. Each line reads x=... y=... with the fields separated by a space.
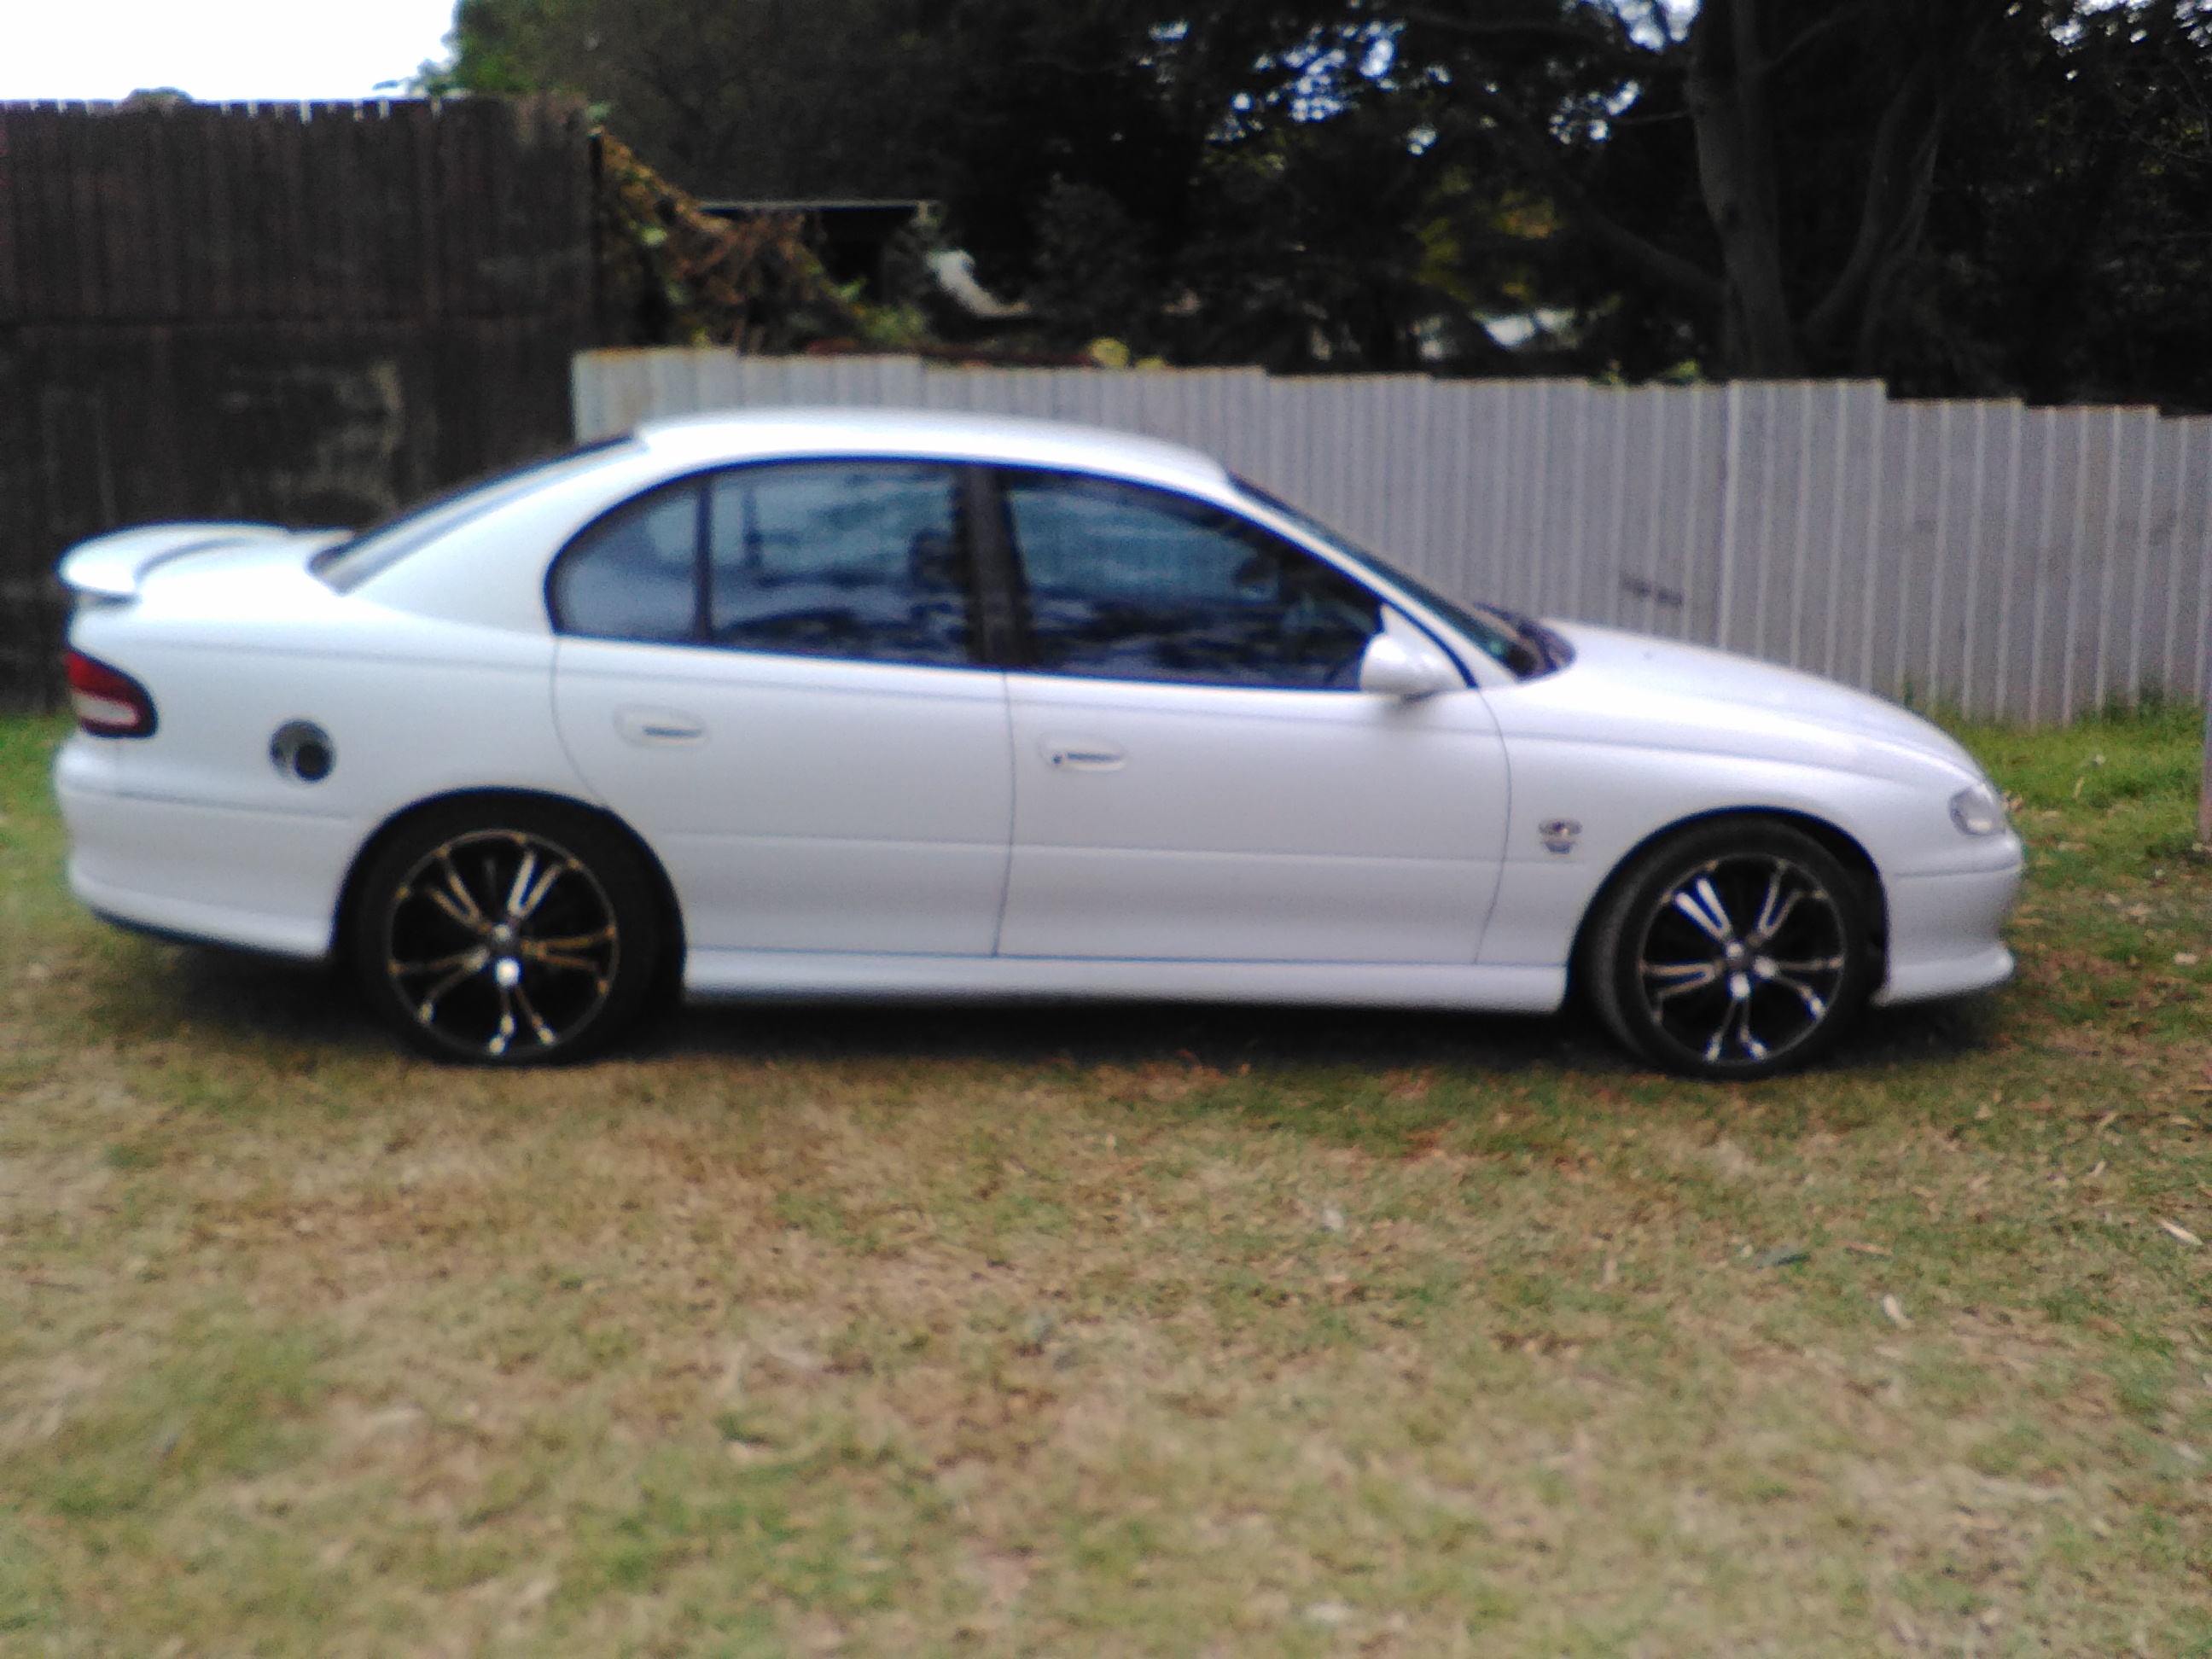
x=1401 y=661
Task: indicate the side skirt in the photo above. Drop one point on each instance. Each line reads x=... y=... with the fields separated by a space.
x=809 y=974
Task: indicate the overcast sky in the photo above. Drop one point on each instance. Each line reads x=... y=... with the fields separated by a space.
x=215 y=49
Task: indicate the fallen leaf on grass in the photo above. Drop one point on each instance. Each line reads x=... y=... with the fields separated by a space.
x=1875 y=1250
x=1895 y=1310
x=2180 y=1232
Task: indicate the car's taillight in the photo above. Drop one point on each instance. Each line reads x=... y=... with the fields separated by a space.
x=109 y=703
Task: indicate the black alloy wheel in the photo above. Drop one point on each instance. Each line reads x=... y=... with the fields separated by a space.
x=1736 y=949
x=506 y=935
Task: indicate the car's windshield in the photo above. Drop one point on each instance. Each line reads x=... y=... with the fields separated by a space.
x=348 y=564
x=1523 y=646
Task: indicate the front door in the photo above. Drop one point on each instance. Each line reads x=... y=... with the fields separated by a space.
x=1197 y=776
x=770 y=672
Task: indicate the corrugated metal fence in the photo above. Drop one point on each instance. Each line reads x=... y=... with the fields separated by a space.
x=2033 y=564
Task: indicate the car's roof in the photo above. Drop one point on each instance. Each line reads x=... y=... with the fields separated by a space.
x=937 y=433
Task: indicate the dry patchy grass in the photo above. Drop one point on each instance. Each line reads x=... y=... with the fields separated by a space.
x=1123 y=1330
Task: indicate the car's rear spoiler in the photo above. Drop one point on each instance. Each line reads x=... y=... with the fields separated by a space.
x=110 y=566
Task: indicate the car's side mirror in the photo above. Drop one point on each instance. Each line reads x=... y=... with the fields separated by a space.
x=1401 y=661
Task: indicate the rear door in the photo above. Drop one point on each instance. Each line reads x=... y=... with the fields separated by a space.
x=772 y=672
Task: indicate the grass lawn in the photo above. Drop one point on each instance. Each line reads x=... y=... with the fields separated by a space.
x=1121 y=1330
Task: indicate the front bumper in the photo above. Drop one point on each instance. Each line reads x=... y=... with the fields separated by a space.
x=1945 y=933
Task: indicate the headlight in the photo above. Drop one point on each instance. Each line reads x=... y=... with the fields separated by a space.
x=1977 y=809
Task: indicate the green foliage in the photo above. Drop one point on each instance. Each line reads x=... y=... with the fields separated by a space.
x=1093 y=276
x=672 y=274
x=2066 y=258
x=753 y=100
x=1341 y=183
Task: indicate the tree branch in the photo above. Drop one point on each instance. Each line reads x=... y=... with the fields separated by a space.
x=1617 y=49
x=1898 y=175
x=1901 y=170
x=1814 y=31
x=1691 y=281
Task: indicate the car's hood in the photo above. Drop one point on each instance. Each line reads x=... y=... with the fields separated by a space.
x=117 y=566
x=1705 y=698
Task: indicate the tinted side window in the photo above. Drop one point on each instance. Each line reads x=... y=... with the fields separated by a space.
x=633 y=574
x=861 y=559
x=1130 y=583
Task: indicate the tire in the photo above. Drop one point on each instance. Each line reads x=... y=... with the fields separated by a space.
x=1735 y=950
x=506 y=933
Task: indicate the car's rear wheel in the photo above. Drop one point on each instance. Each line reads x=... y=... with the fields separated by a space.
x=506 y=933
x=1736 y=949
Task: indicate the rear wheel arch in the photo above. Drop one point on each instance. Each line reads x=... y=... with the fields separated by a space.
x=670 y=976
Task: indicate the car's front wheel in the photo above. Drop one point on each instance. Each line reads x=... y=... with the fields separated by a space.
x=506 y=933
x=1733 y=950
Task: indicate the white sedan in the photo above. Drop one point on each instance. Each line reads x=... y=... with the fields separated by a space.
x=864 y=703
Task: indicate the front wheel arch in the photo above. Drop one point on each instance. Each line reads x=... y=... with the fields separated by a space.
x=1595 y=970
x=1841 y=845
x=669 y=975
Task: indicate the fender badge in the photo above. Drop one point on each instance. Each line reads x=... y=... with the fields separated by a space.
x=1559 y=835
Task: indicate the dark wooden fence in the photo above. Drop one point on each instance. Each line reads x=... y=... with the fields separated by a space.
x=305 y=313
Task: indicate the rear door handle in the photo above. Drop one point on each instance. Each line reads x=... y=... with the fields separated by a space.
x=658 y=728
x=1084 y=755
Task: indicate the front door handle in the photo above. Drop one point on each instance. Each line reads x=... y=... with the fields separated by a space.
x=658 y=728
x=1084 y=755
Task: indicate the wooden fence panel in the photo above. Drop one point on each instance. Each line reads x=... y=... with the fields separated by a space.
x=204 y=213
x=309 y=313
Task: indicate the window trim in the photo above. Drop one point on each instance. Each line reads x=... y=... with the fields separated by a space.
x=980 y=612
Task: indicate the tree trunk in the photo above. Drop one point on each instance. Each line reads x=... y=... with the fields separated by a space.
x=1726 y=88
